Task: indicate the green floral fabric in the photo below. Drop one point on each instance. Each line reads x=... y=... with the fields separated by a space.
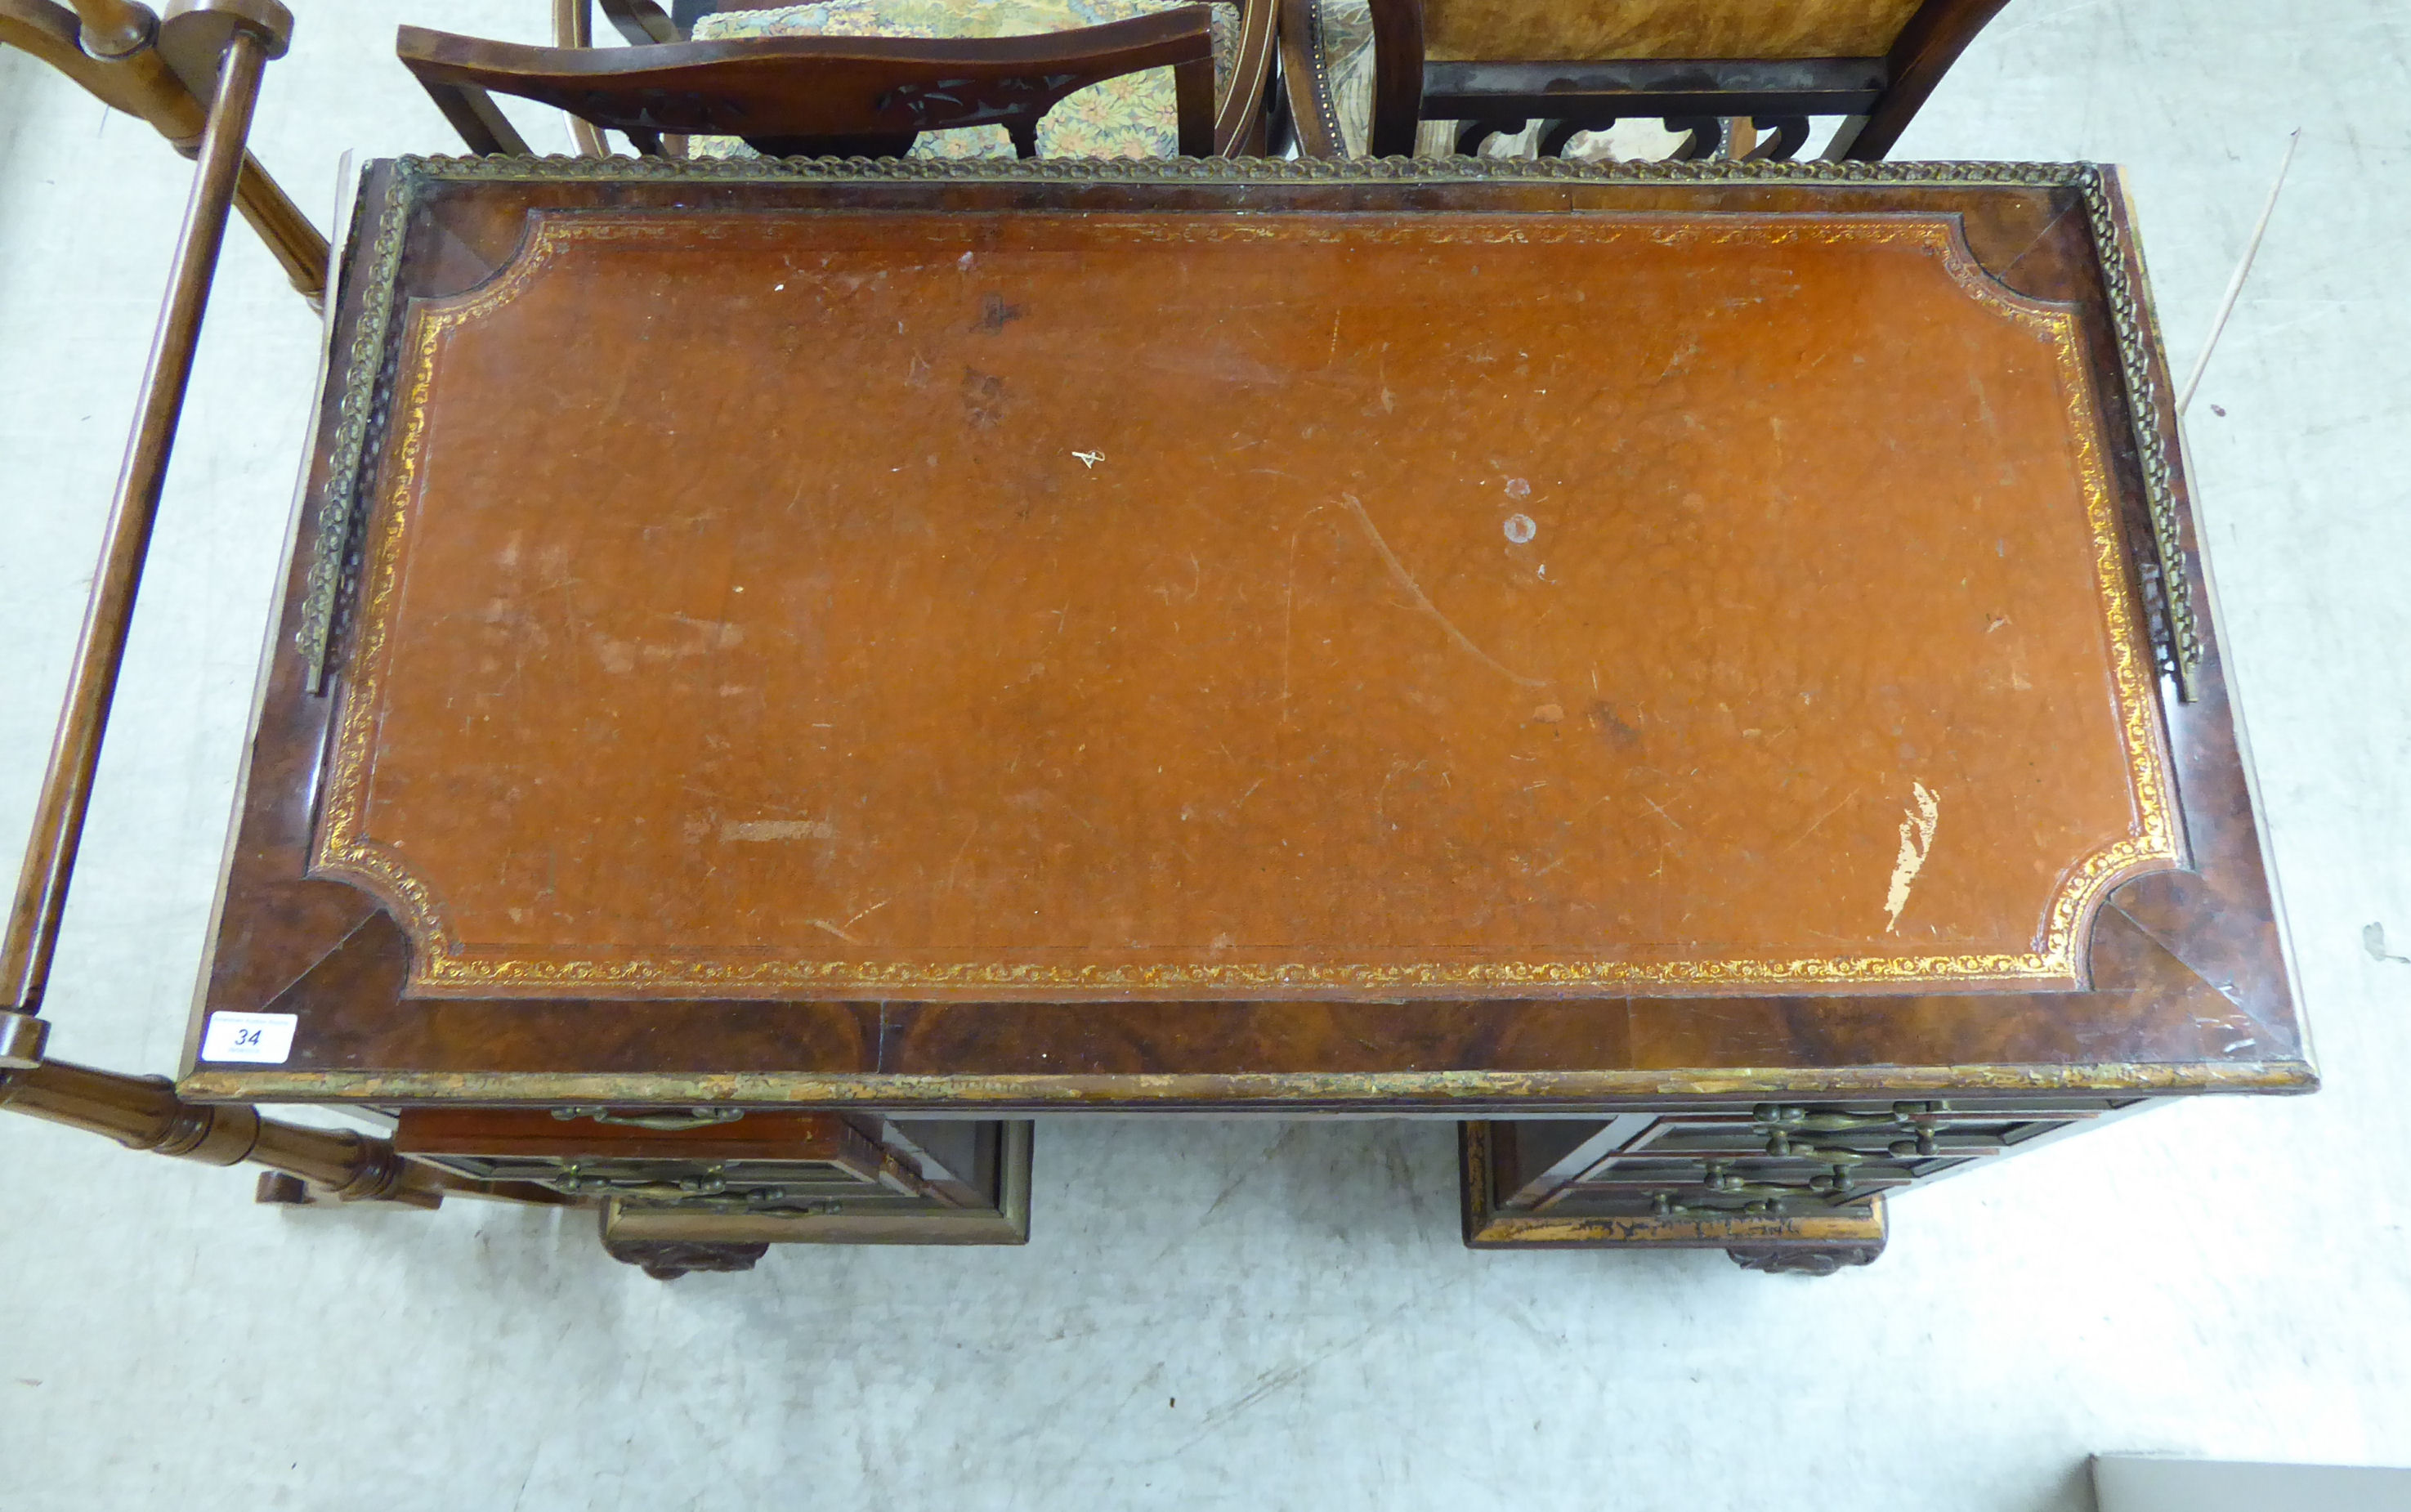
x=1133 y=116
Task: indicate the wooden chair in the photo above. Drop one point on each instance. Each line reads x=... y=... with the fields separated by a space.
x=814 y=96
x=163 y=69
x=1243 y=63
x=195 y=74
x=1720 y=71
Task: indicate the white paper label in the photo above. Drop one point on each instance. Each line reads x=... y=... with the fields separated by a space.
x=264 y=1038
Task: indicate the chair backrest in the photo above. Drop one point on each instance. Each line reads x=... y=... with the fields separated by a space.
x=815 y=96
x=1568 y=30
x=1582 y=65
x=1242 y=123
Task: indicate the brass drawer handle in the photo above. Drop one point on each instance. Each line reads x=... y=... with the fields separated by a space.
x=1758 y=1196
x=711 y=1192
x=694 y=1118
x=1908 y=1118
x=768 y=1202
x=712 y=1184
x=1782 y=1144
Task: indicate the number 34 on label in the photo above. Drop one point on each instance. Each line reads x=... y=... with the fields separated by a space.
x=261 y=1038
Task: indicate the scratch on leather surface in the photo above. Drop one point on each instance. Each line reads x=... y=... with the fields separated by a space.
x=1406 y=580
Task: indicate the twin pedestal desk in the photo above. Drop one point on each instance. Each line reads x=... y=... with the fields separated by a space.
x=790 y=673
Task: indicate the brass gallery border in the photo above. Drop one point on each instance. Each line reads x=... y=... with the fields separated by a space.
x=338 y=503
x=1450 y=1093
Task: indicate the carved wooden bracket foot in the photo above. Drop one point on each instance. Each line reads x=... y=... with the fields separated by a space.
x=1803 y=1260
x=669 y=1259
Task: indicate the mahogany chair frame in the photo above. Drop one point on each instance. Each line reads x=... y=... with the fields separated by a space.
x=1241 y=125
x=1876 y=96
x=224 y=46
x=815 y=96
x=165 y=72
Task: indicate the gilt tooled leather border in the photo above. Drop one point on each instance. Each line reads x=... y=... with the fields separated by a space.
x=441 y=962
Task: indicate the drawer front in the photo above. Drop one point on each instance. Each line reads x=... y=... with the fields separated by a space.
x=702 y=1161
x=733 y=1187
x=1772 y=1159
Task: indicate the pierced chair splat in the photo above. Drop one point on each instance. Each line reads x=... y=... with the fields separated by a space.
x=1739 y=79
x=814 y=96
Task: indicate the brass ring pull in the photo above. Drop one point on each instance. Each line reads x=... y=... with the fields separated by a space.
x=694 y=1118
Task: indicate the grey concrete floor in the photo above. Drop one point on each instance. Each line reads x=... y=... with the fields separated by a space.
x=1226 y=1313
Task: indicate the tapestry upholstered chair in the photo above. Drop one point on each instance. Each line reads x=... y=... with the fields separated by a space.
x=1131 y=115
x=814 y=96
x=1734 y=77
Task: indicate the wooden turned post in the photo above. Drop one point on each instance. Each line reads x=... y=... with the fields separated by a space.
x=145 y=1113
x=41 y=900
x=125 y=55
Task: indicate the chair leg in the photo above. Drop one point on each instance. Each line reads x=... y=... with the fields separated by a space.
x=1927 y=47
x=1279 y=121
x=1240 y=122
x=1845 y=137
x=1555 y=134
x=1305 y=89
x=1473 y=135
x=1397 y=77
x=573 y=26
x=1786 y=135
x=1705 y=135
x=1192 y=92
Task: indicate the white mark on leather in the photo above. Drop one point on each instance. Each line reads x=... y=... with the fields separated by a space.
x=1916 y=844
x=778 y=830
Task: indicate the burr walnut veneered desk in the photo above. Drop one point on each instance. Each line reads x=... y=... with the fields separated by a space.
x=1698 y=673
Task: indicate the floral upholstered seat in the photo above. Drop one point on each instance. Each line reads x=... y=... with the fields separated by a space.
x=1131 y=116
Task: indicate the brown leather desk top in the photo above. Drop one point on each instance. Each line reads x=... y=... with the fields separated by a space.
x=1007 y=637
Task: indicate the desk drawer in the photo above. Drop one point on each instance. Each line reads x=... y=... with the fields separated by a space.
x=706 y=1160
x=1767 y=1160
